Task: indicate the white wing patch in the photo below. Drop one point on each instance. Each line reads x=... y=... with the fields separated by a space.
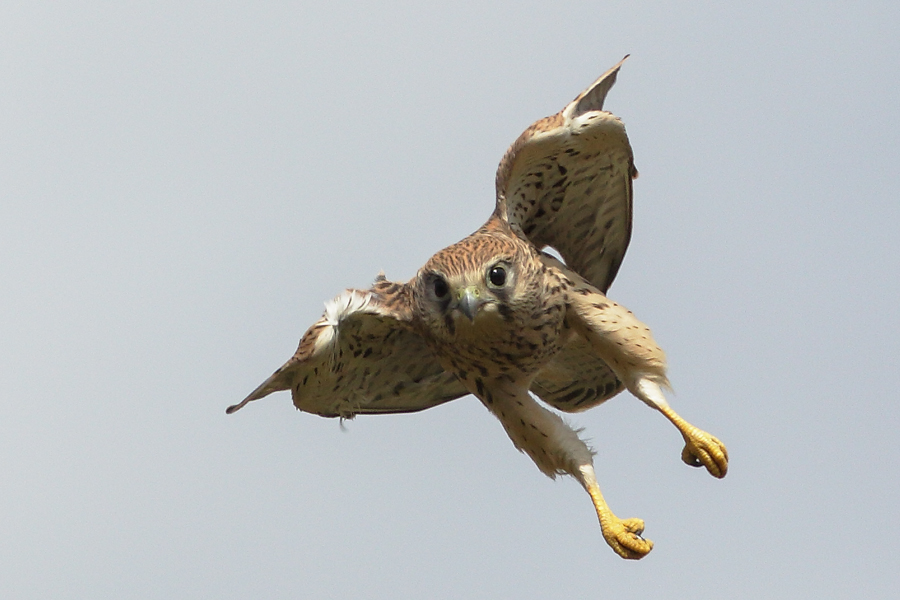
x=347 y=303
x=337 y=310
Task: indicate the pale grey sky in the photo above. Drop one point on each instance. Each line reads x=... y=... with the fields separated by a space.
x=183 y=184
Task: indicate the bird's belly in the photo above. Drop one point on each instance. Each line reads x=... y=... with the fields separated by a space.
x=513 y=353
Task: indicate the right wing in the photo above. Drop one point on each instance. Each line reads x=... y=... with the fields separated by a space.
x=361 y=357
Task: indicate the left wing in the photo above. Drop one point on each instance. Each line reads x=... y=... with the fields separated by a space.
x=566 y=183
x=361 y=357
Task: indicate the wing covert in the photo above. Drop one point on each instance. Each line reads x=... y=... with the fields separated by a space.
x=566 y=182
x=361 y=357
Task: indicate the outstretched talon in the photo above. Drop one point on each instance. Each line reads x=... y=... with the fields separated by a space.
x=701 y=448
x=624 y=536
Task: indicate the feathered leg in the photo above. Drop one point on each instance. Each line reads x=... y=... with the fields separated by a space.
x=556 y=449
x=627 y=346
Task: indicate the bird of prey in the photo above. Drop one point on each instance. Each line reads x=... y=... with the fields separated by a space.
x=497 y=317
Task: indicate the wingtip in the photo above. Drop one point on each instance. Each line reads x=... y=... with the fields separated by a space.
x=594 y=96
x=270 y=385
x=236 y=407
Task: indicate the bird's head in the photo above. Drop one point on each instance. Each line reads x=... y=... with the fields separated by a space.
x=476 y=285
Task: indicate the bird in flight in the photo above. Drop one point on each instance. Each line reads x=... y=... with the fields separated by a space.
x=497 y=317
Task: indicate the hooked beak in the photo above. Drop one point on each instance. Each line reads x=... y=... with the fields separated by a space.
x=469 y=301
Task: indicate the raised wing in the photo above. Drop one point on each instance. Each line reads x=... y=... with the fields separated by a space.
x=362 y=358
x=566 y=183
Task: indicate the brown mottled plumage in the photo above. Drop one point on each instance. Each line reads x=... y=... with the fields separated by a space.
x=494 y=316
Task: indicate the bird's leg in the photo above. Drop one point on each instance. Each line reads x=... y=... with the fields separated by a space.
x=556 y=448
x=700 y=448
x=622 y=535
x=627 y=346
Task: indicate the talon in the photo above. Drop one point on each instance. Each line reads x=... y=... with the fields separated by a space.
x=623 y=536
x=701 y=448
x=689 y=458
x=635 y=526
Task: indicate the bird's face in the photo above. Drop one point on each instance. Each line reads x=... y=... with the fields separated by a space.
x=477 y=286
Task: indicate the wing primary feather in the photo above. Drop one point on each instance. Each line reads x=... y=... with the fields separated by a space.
x=270 y=385
x=593 y=97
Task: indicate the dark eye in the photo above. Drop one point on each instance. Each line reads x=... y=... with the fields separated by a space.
x=497 y=276
x=440 y=287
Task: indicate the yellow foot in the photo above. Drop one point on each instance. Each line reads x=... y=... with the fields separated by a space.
x=700 y=448
x=624 y=537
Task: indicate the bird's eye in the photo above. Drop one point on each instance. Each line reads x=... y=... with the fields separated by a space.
x=497 y=276
x=440 y=287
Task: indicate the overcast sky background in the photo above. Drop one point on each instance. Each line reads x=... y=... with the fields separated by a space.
x=183 y=184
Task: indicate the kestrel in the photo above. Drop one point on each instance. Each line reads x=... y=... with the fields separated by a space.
x=495 y=316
